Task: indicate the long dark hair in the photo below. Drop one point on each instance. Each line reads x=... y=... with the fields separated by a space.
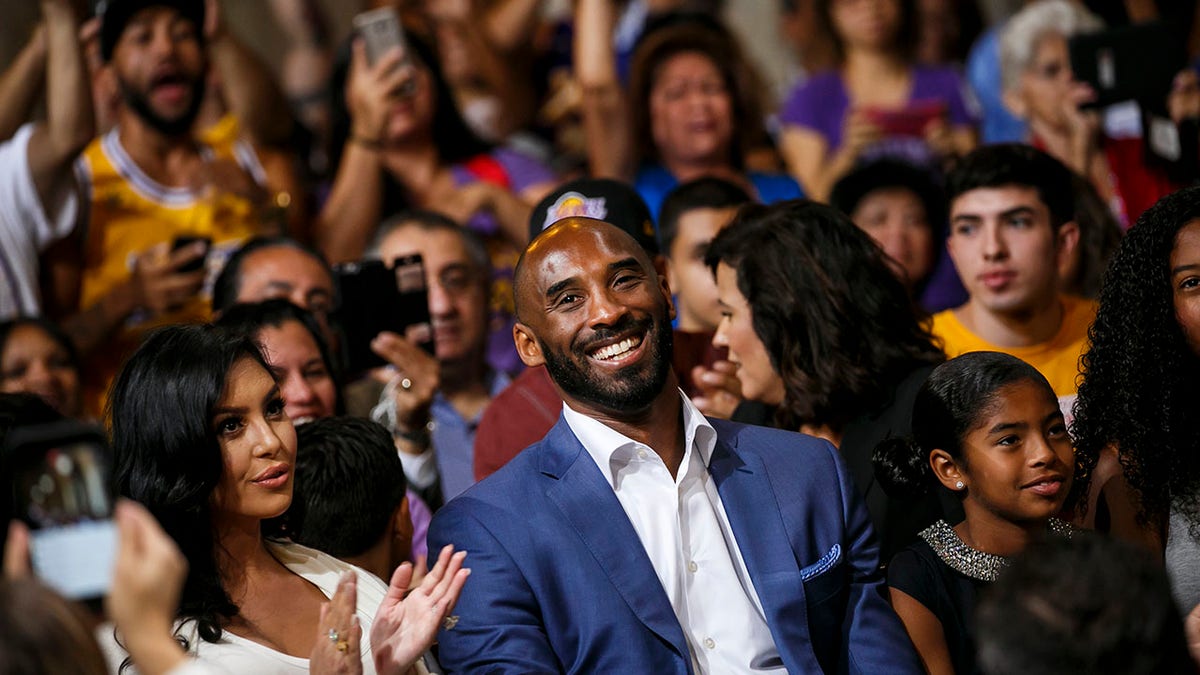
x=166 y=452
x=839 y=326
x=1138 y=393
x=455 y=141
x=957 y=397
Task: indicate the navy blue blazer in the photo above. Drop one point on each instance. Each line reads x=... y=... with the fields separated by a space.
x=561 y=583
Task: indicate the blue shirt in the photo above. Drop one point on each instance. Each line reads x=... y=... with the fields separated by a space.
x=453 y=439
x=653 y=183
x=984 y=77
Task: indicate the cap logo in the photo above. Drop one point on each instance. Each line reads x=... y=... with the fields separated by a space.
x=575 y=205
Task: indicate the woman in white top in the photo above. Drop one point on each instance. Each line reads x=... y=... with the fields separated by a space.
x=201 y=438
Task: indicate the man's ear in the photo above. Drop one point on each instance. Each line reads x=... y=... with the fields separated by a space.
x=1066 y=241
x=527 y=346
x=666 y=291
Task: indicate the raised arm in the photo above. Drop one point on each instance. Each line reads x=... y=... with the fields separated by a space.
x=348 y=220
x=71 y=124
x=21 y=83
x=486 y=64
x=510 y=24
x=606 y=122
x=250 y=90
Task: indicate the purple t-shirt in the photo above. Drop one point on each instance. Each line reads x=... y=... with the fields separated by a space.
x=520 y=171
x=822 y=103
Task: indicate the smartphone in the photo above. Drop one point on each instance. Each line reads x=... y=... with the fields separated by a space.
x=187 y=240
x=911 y=120
x=1136 y=62
x=378 y=298
x=59 y=477
x=381 y=32
x=414 y=300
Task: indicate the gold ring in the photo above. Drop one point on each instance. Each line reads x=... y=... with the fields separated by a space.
x=343 y=646
x=450 y=622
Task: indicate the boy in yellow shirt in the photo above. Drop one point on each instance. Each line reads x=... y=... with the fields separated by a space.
x=1011 y=230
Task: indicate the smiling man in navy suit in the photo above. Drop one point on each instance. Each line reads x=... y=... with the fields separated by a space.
x=639 y=536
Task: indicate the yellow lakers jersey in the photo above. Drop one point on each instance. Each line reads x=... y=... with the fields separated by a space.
x=129 y=212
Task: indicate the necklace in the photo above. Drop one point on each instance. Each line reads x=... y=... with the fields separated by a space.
x=971 y=562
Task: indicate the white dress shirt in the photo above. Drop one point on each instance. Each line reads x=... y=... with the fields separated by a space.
x=682 y=524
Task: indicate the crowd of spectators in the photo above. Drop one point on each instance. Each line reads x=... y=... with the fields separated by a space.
x=686 y=375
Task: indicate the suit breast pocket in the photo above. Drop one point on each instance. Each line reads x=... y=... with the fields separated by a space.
x=826 y=592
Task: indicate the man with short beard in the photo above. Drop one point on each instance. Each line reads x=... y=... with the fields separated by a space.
x=639 y=536
x=148 y=182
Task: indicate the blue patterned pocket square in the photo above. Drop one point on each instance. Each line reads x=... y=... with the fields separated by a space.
x=826 y=563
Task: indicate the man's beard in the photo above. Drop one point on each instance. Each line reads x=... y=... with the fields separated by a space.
x=180 y=125
x=630 y=389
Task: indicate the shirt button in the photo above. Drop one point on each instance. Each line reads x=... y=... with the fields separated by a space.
x=708 y=642
x=692 y=566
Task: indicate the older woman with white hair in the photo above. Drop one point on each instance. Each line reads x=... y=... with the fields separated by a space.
x=1039 y=87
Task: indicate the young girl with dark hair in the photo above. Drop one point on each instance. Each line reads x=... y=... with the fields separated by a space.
x=202 y=439
x=987 y=427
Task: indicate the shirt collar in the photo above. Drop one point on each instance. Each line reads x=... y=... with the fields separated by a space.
x=610 y=448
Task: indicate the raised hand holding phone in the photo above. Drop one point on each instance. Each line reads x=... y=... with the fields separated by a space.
x=58 y=482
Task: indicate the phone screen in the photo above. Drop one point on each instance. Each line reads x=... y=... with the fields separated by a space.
x=62 y=493
x=380 y=30
x=414 y=300
x=185 y=240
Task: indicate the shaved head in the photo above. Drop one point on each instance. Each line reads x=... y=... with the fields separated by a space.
x=592 y=307
x=564 y=235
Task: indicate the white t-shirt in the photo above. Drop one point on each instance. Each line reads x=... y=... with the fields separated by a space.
x=27 y=227
x=233 y=654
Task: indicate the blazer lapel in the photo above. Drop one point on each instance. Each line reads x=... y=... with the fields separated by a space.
x=754 y=515
x=589 y=504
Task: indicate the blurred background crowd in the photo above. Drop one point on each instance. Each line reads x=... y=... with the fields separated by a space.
x=841 y=195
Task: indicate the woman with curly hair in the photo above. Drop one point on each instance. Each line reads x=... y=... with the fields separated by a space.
x=821 y=328
x=1136 y=416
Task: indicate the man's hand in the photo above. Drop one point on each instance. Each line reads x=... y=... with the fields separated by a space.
x=405 y=627
x=159 y=285
x=419 y=379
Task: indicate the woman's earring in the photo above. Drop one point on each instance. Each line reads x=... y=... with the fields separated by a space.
x=959 y=485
